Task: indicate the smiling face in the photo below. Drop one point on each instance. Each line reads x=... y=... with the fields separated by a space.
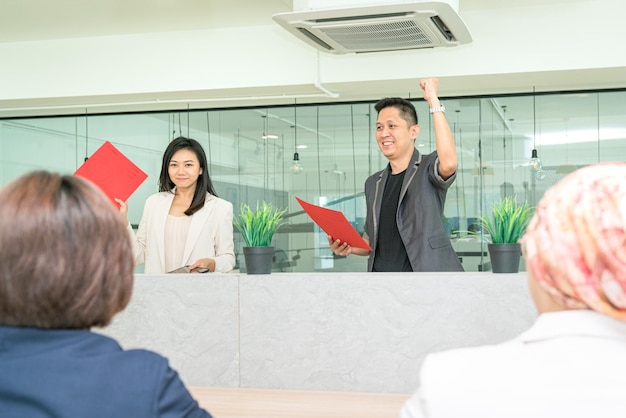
x=394 y=135
x=184 y=169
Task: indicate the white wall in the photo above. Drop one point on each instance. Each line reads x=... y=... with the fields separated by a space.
x=550 y=45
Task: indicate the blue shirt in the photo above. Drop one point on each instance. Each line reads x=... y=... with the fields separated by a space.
x=80 y=374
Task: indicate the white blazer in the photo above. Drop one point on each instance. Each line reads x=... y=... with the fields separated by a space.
x=568 y=364
x=210 y=234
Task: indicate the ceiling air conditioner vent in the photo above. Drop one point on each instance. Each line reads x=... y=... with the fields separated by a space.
x=378 y=28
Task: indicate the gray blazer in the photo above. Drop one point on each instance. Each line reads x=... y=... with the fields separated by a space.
x=419 y=216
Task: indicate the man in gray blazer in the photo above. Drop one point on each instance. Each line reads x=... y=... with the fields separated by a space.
x=405 y=201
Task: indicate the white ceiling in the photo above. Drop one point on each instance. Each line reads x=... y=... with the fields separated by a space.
x=30 y=20
x=33 y=20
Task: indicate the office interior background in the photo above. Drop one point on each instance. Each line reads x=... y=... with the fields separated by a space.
x=544 y=75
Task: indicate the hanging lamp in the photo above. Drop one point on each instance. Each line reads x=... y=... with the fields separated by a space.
x=296 y=167
x=535 y=163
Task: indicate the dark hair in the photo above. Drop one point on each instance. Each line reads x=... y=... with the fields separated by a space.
x=406 y=108
x=66 y=259
x=204 y=183
x=507 y=190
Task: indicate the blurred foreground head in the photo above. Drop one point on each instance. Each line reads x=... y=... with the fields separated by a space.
x=66 y=259
x=575 y=245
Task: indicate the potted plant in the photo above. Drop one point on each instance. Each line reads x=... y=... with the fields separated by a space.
x=506 y=225
x=257 y=228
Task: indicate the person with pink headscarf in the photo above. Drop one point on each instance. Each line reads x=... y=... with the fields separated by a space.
x=572 y=361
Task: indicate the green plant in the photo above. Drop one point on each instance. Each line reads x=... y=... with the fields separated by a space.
x=258 y=226
x=508 y=221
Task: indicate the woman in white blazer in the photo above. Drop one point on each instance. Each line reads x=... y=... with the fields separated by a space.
x=571 y=362
x=185 y=224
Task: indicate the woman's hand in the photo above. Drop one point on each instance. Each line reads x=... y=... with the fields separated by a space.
x=123 y=209
x=203 y=264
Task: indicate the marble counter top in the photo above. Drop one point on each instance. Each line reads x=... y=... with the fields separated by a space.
x=318 y=331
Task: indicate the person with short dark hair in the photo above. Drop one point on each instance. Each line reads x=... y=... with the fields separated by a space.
x=570 y=362
x=405 y=201
x=507 y=190
x=186 y=224
x=66 y=265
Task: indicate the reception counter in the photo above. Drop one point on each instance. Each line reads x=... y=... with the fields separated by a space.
x=359 y=332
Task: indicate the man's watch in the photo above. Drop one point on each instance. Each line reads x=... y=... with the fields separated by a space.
x=436 y=109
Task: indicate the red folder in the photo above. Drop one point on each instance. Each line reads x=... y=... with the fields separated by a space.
x=335 y=224
x=117 y=176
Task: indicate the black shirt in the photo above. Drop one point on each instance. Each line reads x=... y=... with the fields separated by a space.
x=390 y=251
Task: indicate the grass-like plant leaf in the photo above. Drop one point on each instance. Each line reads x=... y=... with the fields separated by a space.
x=258 y=226
x=508 y=222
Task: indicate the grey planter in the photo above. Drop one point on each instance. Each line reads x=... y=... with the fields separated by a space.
x=505 y=258
x=258 y=259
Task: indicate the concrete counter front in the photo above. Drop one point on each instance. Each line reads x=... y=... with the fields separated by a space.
x=361 y=332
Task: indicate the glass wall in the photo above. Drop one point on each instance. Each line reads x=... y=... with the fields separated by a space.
x=251 y=153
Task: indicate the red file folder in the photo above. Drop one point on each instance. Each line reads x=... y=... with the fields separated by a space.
x=335 y=224
x=117 y=176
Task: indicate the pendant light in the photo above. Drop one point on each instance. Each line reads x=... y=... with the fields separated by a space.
x=296 y=167
x=535 y=163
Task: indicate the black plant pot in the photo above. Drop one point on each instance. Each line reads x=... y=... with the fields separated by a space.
x=505 y=257
x=258 y=259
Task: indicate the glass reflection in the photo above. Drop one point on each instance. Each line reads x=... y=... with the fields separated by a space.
x=251 y=155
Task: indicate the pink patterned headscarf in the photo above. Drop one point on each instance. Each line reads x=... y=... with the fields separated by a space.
x=575 y=245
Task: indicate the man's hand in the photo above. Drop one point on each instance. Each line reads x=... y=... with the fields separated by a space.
x=344 y=250
x=339 y=248
x=430 y=87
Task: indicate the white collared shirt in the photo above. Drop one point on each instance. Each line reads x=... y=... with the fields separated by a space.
x=568 y=364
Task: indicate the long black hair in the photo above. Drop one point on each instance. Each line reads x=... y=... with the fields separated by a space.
x=204 y=183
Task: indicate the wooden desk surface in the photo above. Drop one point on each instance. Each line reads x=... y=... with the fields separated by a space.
x=278 y=403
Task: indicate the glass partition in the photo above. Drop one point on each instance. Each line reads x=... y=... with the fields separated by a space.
x=251 y=157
